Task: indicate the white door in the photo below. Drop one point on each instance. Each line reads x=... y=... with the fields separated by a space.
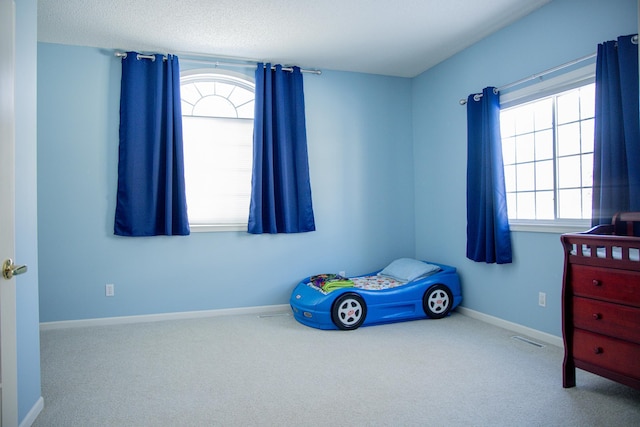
x=8 y=355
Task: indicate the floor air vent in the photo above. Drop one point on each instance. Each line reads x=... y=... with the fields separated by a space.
x=528 y=341
x=262 y=316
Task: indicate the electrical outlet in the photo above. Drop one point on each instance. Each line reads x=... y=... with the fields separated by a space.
x=542 y=299
x=109 y=289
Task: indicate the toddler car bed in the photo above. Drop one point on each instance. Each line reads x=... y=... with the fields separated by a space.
x=404 y=290
x=601 y=301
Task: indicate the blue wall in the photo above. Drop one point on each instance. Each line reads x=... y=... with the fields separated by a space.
x=28 y=333
x=555 y=34
x=388 y=170
x=360 y=149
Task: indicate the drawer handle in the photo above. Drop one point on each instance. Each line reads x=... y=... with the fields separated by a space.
x=596 y=282
x=597 y=350
x=597 y=316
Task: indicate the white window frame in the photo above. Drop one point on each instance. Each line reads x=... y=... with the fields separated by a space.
x=241 y=80
x=549 y=86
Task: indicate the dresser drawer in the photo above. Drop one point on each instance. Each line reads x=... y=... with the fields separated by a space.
x=622 y=286
x=609 y=353
x=607 y=318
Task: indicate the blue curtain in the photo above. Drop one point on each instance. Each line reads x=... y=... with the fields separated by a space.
x=280 y=186
x=488 y=234
x=616 y=166
x=151 y=194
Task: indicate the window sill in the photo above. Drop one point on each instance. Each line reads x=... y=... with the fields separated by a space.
x=558 y=227
x=212 y=228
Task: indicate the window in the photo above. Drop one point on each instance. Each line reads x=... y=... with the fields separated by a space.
x=217 y=119
x=547 y=146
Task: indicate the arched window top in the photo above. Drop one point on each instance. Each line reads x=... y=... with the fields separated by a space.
x=214 y=94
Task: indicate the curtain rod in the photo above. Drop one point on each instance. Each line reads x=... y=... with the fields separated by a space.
x=216 y=63
x=538 y=75
x=634 y=39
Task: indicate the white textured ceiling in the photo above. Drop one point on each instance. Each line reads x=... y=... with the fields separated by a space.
x=390 y=37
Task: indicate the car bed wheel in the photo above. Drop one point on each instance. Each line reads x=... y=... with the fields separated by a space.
x=437 y=301
x=348 y=311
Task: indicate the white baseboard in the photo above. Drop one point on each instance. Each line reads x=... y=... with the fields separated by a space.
x=265 y=309
x=505 y=324
x=33 y=413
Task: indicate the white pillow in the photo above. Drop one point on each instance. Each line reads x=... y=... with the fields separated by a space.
x=408 y=269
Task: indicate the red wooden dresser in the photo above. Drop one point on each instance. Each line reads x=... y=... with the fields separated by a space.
x=601 y=302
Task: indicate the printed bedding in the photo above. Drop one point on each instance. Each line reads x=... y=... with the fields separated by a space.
x=332 y=282
x=376 y=283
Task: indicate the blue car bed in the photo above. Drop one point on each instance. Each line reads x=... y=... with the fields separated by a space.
x=404 y=290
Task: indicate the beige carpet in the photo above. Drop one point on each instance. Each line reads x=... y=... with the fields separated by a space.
x=248 y=370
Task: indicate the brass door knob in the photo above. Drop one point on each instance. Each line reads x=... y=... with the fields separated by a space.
x=9 y=269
